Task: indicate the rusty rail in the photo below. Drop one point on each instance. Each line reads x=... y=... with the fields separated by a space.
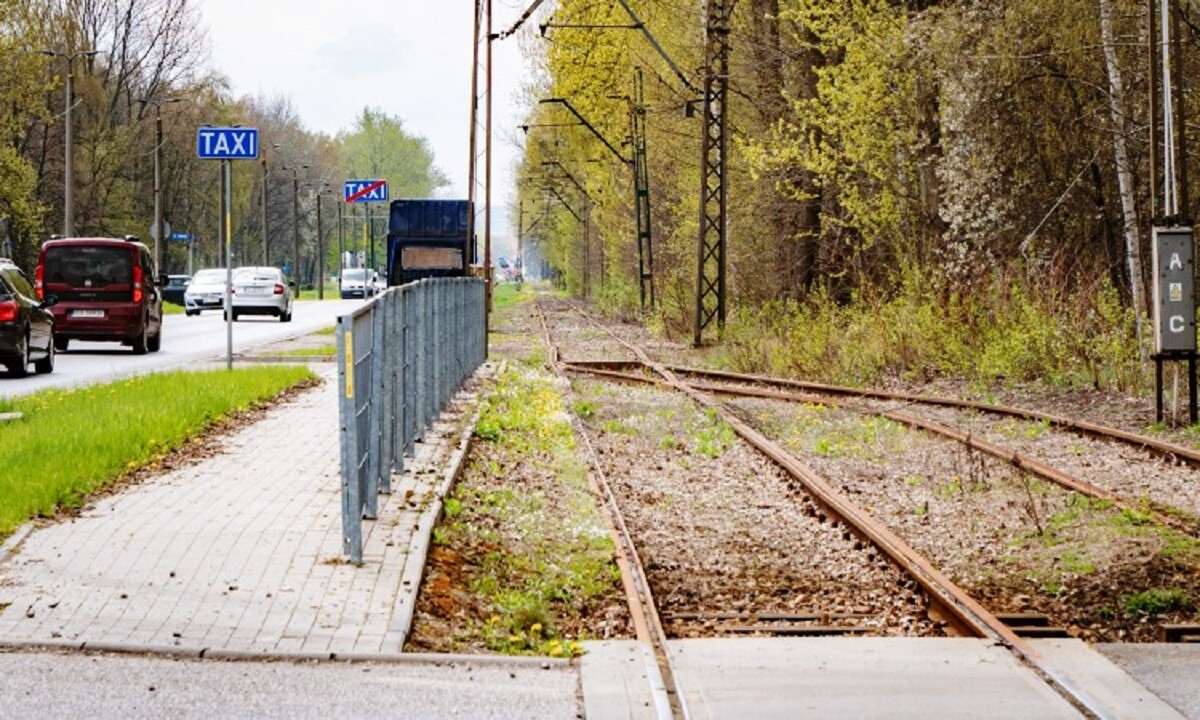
x=669 y=701
x=1161 y=448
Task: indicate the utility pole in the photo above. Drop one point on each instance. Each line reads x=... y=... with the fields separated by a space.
x=265 y=251
x=69 y=139
x=320 y=247
x=341 y=239
x=473 y=142
x=159 y=230
x=296 y=223
x=487 y=218
x=714 y=189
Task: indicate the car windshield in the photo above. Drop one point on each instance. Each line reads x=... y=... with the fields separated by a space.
x=209 y=276
x=88 y=266
x=354 y=274
x=178 y=281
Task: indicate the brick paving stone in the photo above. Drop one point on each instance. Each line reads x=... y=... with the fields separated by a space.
x=239 y=552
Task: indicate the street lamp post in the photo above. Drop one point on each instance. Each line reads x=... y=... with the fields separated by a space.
x=321 y=189
x=159 y=240
x=296 y=223
x=266 y=260
x=69 y=139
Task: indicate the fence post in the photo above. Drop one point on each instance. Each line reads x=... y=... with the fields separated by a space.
x=348 y=416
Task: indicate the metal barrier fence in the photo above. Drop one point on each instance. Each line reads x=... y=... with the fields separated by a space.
x=401 y=357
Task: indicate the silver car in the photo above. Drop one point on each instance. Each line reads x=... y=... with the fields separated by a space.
x=261 y=291
x=206 y=291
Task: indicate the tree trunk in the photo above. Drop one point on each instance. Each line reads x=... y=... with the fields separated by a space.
x=1120 y=121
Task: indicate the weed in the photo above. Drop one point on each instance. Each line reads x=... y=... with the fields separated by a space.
x=487 y=429
x=453 y=507
x=950 y=488
x=668 y=443
x=913 y=480
x=713 y=440
x=1156 y=601
x=584 y=409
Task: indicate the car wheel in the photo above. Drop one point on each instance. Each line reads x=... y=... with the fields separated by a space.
x=45 y=366
x=61 y=343
x=190 y=313
x=139 y=343
x=20 y=366
x=154 y=343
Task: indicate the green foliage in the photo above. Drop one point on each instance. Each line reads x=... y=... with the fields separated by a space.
x=1157 y=601
x=923 y=330
x=380 y=147
x=73 y=442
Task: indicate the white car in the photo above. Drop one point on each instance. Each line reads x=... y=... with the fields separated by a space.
x=206 y=291
x=356 y=282
x=261 y=291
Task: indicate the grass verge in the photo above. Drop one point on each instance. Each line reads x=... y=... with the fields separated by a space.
x=76 y=441
x=319 y=351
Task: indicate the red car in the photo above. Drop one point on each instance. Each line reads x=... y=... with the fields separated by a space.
x=106 y=290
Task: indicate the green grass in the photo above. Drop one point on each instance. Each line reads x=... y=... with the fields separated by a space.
x=74 y=442
x=173 y=309
x=507 y=294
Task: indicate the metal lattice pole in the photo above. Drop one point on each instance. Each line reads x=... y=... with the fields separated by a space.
x=641 y=182
x=710 y=267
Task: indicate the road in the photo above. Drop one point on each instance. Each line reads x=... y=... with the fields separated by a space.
x=186 y=341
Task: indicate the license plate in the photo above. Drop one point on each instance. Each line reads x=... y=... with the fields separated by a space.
x=257 y=290
x=87 y=313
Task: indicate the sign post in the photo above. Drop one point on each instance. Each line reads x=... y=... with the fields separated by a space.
x=226 y=144
x=1174 y=309
x=366 y=191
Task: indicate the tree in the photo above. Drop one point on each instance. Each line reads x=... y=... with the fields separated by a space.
x=379 y=147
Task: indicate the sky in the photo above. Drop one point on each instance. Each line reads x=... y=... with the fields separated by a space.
x=411 y=58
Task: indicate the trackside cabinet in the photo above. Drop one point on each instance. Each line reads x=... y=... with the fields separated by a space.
x=1174 y=292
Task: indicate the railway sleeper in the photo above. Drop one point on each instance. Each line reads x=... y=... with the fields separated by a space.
x=1179 y=633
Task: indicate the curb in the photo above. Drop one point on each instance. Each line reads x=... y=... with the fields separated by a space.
x=419 y=547
x=195 y=653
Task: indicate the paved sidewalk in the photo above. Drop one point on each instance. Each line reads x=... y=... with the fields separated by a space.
x=239 y=554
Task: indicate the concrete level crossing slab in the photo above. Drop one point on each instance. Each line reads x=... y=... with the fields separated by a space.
x=831 y=677
x=240 y=552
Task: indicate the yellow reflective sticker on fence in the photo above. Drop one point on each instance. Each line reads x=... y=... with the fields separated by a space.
x=349 y=363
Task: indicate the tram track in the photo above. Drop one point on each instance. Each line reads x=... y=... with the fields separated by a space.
x=964 y=614
x=1168 y=517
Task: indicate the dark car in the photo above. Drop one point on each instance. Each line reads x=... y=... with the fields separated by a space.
x=176 y=286
x=106 y=291
x=26 y=324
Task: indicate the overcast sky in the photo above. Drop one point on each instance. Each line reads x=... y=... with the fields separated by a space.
x=411 y=58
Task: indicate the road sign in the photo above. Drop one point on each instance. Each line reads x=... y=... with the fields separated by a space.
x=154 y=230
x=230 y=143
x=365 y=191
x=181 y=236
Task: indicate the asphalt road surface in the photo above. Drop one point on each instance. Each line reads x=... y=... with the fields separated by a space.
x=186 y=341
